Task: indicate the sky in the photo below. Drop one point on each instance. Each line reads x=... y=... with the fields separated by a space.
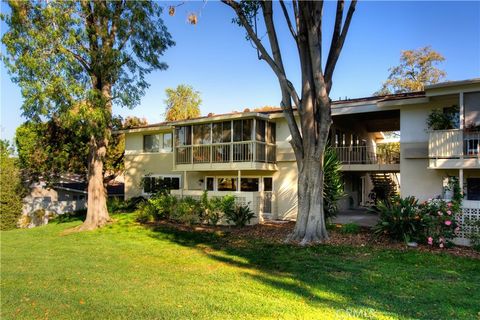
x=215 y=58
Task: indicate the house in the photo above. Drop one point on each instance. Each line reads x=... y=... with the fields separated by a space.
x=249 y=154
x=69 y=194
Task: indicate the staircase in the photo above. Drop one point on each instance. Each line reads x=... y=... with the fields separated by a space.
x=383 y=185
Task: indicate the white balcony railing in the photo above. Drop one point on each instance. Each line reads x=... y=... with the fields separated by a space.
x=453 y=143
x=363 y=155
x=248 y=151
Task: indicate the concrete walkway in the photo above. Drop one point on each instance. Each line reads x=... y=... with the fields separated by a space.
x=358 y=216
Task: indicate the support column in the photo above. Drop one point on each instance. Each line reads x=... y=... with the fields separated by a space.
x=462 y=124
x=460 y=180
x=185 y=183
x=239 y=177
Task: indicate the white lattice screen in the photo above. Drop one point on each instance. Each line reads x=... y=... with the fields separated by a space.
x=471 y=212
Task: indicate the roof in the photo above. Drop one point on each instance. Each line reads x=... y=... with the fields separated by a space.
x=383 y=99
x=453 y=83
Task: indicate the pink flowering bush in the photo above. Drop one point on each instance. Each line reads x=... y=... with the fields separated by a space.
x=440 y=219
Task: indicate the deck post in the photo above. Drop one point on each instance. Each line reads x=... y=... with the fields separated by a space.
x=460 y=180
x=239 y=177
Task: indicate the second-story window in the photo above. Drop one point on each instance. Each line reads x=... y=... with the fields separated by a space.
x=242 y=130
x=183 y=136
x=151 y=143
x=157 y=142
x=271 y=132
x=222 y=132
x=260 y=128
x=202 y=134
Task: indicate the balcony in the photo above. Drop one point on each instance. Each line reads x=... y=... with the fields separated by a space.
x=454 y=149
x=362 y=158
x=226 y=156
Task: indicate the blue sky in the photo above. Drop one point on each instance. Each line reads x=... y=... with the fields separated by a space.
x=216 y=60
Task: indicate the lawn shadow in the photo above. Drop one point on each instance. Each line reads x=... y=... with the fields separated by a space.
x=365 y=280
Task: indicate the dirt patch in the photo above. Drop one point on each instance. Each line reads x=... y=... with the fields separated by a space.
x=277 y=232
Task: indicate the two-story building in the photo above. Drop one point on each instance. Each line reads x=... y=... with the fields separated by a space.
x=249 y=153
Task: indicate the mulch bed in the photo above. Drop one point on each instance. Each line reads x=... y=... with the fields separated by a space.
x=277 y=232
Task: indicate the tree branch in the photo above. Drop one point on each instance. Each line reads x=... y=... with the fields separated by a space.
x=264 y=54
x=337 y=43
x=287 y=18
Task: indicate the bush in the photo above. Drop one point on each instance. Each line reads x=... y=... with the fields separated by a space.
x=399 y=219
x=191 y=211
x=188 y=211
x=145 y=212
x=11 y=190
x=117 y=205
x=440 y=222
x=240 y=215
x=433 y=222
x=165 y=205
x=350 y=228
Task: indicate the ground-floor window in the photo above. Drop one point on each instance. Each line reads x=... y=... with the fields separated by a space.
x=156 y=183
x=227 y=184
x=247 y=184
x=473 y=188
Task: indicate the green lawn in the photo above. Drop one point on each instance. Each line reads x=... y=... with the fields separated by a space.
x=125 y=271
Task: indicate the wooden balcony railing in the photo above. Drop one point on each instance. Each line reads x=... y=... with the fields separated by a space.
x=453 y=143
x=249 y=151
x=363 y=155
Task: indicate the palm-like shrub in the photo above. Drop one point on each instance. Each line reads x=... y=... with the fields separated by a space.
x=399 y=219
x=333 y=184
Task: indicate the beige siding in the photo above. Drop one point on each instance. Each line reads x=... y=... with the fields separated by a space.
x=285 y=186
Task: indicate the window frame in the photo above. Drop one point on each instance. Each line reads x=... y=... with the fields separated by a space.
x=162 y=176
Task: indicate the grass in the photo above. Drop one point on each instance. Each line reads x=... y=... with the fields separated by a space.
x=125 y=271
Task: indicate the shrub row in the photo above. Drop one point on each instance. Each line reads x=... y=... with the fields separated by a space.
x=188 y=210
x=434 y=222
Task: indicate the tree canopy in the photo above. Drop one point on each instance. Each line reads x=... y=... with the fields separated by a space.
x=182 y=103
x=417 y=69
x=73 y=60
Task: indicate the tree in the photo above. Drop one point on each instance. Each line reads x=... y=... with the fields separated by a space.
x=182 y=103
x=312 y=102
x=417 y=69
x=46 y=150
x=11 y=188
x=74 y=60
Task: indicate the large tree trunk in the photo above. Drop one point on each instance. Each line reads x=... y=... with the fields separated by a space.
x=310 y=226
x=97 y=213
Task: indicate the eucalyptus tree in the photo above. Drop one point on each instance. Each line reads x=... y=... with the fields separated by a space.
x=303 y=20
x=75 y=60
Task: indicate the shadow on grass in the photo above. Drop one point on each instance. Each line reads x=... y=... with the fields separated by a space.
x=365 y=281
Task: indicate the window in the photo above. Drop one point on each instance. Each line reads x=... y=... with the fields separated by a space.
x=222 y=132
x=157 y=142
x=472 y=109
x=242 y=130
x=183 y=136
x=153 y=184
x=201 y=134
x=267 y=184
x=151 y=142
x=209 y=184
x=260 y=130
x=167 y=142
x=271 y=132
x=473 y=189
x=227 y=184
x=249 y=184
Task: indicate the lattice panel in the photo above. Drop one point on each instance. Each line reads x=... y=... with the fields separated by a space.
x=469 y=215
